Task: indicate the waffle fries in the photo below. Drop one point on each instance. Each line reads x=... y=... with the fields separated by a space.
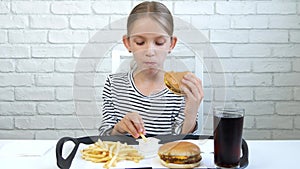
x=110 y=153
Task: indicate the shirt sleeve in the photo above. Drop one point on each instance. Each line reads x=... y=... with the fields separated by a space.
x=177 y=126
x=108 y=114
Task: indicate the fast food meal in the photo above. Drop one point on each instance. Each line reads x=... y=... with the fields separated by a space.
x=173 y=81
x=110 y=153
x=179 y=155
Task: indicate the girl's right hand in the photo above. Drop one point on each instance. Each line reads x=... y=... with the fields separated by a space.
x=131 y=123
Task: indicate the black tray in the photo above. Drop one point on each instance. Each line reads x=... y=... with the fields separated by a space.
x=66 y=163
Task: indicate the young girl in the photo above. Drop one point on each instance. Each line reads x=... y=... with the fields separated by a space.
x=138 y=101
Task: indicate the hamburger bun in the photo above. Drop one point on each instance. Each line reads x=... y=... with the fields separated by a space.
x=180 y=155
x=173 y=81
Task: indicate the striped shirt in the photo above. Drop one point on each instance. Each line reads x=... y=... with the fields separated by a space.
x=162 y=112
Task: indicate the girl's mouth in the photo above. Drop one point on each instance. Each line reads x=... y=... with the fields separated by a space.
x=150 y=63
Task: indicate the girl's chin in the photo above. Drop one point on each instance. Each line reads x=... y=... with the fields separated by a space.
x=151 y=70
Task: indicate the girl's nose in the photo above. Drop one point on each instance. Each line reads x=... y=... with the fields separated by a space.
x=150 y=50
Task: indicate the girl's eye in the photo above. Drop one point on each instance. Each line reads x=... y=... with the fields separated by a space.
x=159 y=43
x=140 y=43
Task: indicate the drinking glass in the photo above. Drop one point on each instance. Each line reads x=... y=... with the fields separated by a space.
x=228 y=129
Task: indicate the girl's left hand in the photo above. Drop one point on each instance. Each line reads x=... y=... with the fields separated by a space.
x=192 y=87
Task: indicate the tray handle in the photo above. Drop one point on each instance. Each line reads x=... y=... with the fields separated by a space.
x=61 y=162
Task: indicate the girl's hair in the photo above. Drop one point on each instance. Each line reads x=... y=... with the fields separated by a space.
x=156 y=11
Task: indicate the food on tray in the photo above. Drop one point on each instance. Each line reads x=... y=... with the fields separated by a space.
x=180 y=155
x=173 y=81
x=110 y=153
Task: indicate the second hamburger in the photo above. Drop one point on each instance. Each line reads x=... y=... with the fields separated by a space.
x=180 y=155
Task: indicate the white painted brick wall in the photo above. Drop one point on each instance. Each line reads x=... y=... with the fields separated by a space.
x=68 y=7
x=35 y=65
x=56 y=108
x=276 y=8
x=4 y=7
x=290 y=50
x=112 y=7
x=251 y=50
x=7 y=65
x=254 y=63
x=64 y=93
x=272 y=66
x=11 y=21
x=268 y=36
x=48 y=22
x=17 y=108
x=274 y=122
x=229 y=36
x=234 y=94
x=7 y=94
x=52 y=51
x=201 y=7
x=290 y=22
x=30 y=7
x=287 y=108
x=6 y=123
x=3 y=37
x=294 y=36
x=14 y=51
x=68 y=36
x=235 y=8
x=249 y=21
x=297 y=94
x=54 y=80
x=211 y=22
x=13 y=79
x=270 y=93
x=247 y=79
x=27 y=36
x=34 y=94
x=34 y=122
x=290 y=79
x=89 y=22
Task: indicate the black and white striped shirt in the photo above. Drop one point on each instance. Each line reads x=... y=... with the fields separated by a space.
x=162 y=112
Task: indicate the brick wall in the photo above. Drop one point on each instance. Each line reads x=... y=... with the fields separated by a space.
x=257 y=44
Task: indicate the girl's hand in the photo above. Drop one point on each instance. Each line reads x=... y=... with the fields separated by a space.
x=131 y=123
x=192 y=87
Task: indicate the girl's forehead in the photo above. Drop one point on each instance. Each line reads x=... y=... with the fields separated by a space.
x=150 y=35
x=146 y=26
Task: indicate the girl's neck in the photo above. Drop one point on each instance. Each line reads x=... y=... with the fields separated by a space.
x=149 y=82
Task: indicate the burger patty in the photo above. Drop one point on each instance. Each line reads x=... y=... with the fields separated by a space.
x=181 y=159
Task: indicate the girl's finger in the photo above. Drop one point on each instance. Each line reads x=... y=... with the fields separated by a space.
x=131 y=128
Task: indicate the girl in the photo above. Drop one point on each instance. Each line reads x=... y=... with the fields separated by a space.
x=138 y=101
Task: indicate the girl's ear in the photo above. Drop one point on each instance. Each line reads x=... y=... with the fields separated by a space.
x=126 y=42
x=173 y=42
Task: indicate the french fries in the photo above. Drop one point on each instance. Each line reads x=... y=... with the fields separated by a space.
x=143 y=137
x=110 y=153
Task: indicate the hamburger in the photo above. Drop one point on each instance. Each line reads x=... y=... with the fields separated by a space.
x=173 y=81
x=180 y=155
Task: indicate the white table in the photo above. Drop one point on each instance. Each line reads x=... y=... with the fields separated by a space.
x=262 y=154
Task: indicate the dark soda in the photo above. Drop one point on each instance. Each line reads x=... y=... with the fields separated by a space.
x=228 y=130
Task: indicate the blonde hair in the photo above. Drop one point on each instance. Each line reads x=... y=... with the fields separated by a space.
x=156 y=11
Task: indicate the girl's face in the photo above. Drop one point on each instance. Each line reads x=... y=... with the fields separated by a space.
x=149 y=43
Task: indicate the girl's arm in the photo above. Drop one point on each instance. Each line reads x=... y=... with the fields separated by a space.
x=193 y=96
